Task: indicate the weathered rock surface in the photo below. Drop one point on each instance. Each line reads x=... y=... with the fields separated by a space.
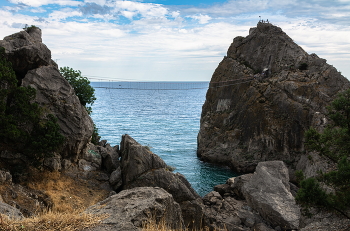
x=246 y=120
x=130 y=209
x=142 y=168
x=10 y=211
x=228 y=213
x=58 y=97
x=27 y=201
x=26 y=51
x=5 y=177
x=32 y=63
x=268 y=192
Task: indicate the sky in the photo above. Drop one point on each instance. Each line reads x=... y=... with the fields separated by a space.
x=172 y=40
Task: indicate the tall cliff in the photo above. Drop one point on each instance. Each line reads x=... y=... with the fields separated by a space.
x=32 y=63
x=262 y=97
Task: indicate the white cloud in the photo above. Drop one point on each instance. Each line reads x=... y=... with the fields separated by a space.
x=128 y=14
x=202 y=19
x=99 y=2
x=175 y=14
x=38 y=3
x=158 y=42
x=144 y=9
x=38 y=10
x=64 y=14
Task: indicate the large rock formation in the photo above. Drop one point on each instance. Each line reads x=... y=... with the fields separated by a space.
x=268 y=192
x=142 y=168
x=32 y=63
x=262 y=97
x=133 y=208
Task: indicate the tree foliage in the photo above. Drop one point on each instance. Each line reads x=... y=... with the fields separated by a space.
x=24 y=127
x=334 y=144
x=81 y=85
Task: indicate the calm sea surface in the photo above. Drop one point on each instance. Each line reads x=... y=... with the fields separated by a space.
x=164 y=116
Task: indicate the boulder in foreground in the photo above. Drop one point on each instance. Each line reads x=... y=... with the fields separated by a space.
x=268 y=192
x=130 y=209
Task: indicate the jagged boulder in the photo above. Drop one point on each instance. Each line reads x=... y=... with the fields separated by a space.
x=142 y=168
x=27 y=201
x=130 y=209
x=10 y=211
x=115 y=179
x=55 y=94
x=110 y=156
x=268 y=192
x=228 y=213
x=262 y=98
x=26 y=51
x=5 y=177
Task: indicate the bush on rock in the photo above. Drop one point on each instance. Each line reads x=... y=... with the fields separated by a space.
x=334 y=144
x=24 y=127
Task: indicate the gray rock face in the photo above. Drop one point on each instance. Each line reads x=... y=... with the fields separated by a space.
x=53 y=163
x=137 y=160
x=110 y=157
x=31 y=60
x=142 y=168
x=58 y=97
x=268 y=192
x=130 y=209
x=167 y=180
x=5 y=177
x=26 y=51
x=10 y=211
x=237 y=185
x=115 y=179
x=228 y=213
x=247 y=119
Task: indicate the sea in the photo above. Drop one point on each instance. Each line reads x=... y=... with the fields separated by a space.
x=165 y=116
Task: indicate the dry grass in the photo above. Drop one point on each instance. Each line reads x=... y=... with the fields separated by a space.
x=67 y=194
x=52 y=221
x=152 y=225
x=70 y=198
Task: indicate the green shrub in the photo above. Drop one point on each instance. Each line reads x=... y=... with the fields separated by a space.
x=95 y=137
x=334 y=144
x=23 y=126
x=81 y=85
x=303 y=66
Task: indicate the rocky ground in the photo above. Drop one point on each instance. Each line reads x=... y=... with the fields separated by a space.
x=148 y=190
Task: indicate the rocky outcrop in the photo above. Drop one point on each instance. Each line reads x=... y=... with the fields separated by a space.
x=31 y=61
x=262 y=97
x=27 y=201
x=26 y=51
x=10 y=211
x=268 y=192
x=142 y=168
x=259 y=201
x=131 y=209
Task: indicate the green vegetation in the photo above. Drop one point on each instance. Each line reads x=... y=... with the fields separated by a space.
x=95 y=137
x=303 y=66
x=334 y=144
x=28 y=29
x=81 y=85
x=84 y=91
x=24 y=127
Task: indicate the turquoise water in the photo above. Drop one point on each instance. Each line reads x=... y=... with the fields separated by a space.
x=165 y=117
